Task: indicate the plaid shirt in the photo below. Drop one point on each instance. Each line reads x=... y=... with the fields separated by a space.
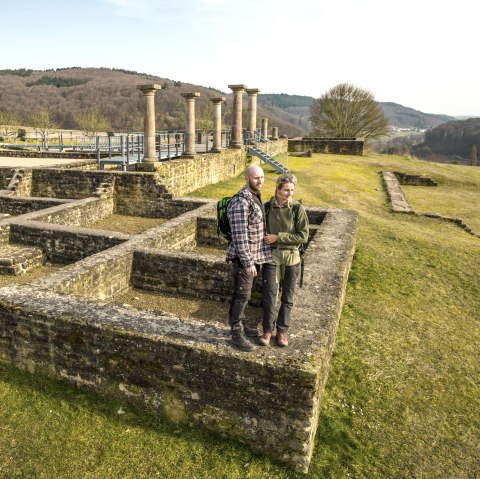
x=246 y=216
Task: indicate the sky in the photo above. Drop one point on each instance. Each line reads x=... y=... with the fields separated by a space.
x=418 y=53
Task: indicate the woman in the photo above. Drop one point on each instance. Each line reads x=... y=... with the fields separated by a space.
x=287 y=229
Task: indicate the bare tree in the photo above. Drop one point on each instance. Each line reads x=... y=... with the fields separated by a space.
x=9 y=125
x=91 y=122
x=44 y=124
x=346 y=111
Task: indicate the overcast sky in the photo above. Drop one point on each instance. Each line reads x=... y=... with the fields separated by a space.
x=422 y=54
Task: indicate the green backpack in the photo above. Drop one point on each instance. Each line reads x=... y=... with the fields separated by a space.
x=223 y=224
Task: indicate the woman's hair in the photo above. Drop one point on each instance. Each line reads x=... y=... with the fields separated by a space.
x=285 y=178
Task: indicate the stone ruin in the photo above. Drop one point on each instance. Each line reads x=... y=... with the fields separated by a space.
x=72 y=322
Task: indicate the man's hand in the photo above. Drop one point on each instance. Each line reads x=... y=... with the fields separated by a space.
x=251 y=271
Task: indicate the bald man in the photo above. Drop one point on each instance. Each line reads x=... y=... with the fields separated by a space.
x=247 y=251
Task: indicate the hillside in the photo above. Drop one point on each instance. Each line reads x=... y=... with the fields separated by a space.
x=454 y=139
x=399 y=117
x=404 y=117
x=70 y=90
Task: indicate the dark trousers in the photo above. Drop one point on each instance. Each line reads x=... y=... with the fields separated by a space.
x=242 y=292
x=269 y=297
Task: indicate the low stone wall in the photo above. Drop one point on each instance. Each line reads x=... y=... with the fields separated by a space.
x=414 y=180
x=187 y=274
x=69 y=184
x=391 y=182
x=18 y=205
x=79 y=213
x=183 y=175
x=341 y=146
x=395 y=194
x=24 y=153
x=18 y=260
x=61 y=244
x=6 y=175
x=274 y=147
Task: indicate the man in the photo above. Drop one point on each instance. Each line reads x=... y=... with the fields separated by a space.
x=247 y=251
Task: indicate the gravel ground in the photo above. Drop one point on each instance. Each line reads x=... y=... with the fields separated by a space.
x=126 y=224
x=202 y=309
x=10 y=162
x=30 y=276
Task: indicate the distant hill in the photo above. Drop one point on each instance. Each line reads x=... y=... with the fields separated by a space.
x=453 y=140
x=403 y=117
x=67 y=91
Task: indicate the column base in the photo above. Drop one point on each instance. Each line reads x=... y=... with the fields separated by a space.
x=215 y=150
x=148 y=165
x=235 y=145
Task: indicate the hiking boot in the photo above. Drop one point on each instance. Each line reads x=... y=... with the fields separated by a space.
x=282 y=340
x=264 y=339
x=241 y=342
x=250 y=332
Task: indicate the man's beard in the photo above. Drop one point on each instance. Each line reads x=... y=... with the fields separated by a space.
x=254 y=186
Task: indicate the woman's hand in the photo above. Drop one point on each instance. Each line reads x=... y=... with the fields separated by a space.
x=270 y=238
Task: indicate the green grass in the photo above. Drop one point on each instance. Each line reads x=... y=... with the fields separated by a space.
x=403 y=392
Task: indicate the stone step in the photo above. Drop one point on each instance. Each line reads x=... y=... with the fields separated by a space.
x=17 y=259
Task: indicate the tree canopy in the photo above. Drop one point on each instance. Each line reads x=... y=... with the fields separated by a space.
x=346 y=111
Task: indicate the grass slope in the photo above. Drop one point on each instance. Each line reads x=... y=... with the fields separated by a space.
x=403 y=393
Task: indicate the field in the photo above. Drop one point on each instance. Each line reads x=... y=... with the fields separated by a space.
x=403 y=392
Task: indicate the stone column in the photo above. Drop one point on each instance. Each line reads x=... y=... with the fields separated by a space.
x=190 y=123
x=236 y=140
x=275 y=133
x=265 y=128
x=149 y=154
x=252 y=109
x=217 y=124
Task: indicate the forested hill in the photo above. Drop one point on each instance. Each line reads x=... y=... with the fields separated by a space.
x=404 y=117
x=67 y=91
x=398 y=116
x=455 y=138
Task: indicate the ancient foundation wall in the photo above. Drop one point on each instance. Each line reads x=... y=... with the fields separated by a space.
x=341 y=146
x=178 y=366
x=70 y=184
x=62 y=244
x=18 y=205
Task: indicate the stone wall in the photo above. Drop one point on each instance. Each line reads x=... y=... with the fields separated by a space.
x=187 y=274
x=61 y=244
x=6 y=175
x=341 y=146
x=80 y=213
x=414 y=180
x=70 y=184
x=188 y=174
x=18 y=205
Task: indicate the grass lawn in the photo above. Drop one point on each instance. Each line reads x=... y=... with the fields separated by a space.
x=403 y=394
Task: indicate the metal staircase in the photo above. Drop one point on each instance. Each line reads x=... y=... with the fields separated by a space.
x=253 y=150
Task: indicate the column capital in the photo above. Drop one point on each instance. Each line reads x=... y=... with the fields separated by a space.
x=219 y=99
x=190 y=95
x=237 y=87
x=152 y=88
x=252 y=91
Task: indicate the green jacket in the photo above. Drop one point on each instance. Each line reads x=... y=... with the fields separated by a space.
x=281 y=221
